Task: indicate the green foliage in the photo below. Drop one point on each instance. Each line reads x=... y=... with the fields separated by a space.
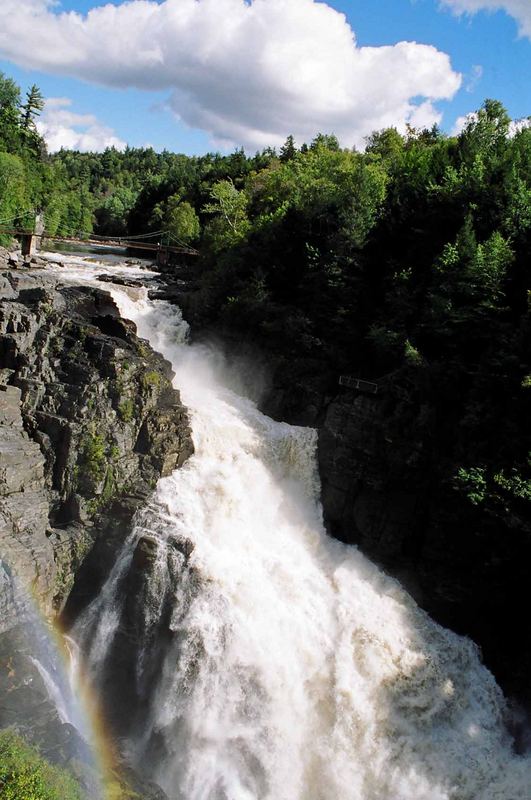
x=109 y=487
x=288 y=149
x=29 y=180
x=180 y=220
x=385 y=341
x=412 y=356
x=96 y=474
x=10 y=130
x=485 y=134
x=388 y=144
x=32 y=107
x=473 y=483
x=113 y=210
x=126 y=410
x=13 y=191
x=9 y=93
x=407 y=262
x=230 y=208
x=25 y=775
x=501 y=491
x=92 y=460
x=489 y=268
x=151 y=378
x=514 y=484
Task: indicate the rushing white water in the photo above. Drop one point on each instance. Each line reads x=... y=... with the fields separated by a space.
x=59 y=692
x=292 y=668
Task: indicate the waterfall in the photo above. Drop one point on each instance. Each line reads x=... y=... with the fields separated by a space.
x=245 y=655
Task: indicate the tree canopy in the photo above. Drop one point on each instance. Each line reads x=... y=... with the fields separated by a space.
x=408 y=262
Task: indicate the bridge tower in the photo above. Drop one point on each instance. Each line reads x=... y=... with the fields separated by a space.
x=30 y=242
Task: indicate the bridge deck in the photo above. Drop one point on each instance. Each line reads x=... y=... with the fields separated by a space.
x=118 y=242
x=125 y=244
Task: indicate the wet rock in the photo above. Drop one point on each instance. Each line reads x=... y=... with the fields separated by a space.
x=120 y=281
x=89 y=417
x=145 y=554
x=24 y=546
x=89 y=421
x=116 y=327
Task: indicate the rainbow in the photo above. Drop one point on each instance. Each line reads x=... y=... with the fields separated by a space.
x=58 y=660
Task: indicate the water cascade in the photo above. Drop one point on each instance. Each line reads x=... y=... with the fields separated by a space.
x=241 y=654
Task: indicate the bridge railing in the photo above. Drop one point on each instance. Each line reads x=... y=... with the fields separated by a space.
x=131 y=243
x=351 y=382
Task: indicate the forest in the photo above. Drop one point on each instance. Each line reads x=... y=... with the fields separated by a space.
x=407 y=264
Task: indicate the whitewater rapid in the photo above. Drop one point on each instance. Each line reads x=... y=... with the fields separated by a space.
x=291 y=668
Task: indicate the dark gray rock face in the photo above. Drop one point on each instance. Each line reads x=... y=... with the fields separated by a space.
x=12 y=259
x=380 y=491
x=89 y=421
x=364 y=486
x=24 y=546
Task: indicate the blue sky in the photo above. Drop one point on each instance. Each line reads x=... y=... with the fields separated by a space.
x=229 y=93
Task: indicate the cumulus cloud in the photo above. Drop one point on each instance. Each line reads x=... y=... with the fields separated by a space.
x=461 y=122
x=519 y=9
x=62 y=127
x=518 y=125
x=245 y=72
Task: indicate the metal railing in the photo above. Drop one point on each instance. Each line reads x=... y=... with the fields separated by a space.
x=351 y=382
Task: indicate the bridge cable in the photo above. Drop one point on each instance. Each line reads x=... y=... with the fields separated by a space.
x=17 y=216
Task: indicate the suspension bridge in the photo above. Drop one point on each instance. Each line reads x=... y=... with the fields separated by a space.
x=162 y=244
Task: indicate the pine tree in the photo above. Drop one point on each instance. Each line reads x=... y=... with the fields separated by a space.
x=288 y=149
x=32 y=107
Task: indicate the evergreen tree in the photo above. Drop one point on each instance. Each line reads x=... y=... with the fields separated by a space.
x=32 y=107
x=288 y=149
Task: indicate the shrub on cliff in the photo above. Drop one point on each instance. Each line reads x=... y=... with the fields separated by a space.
x=25 y=775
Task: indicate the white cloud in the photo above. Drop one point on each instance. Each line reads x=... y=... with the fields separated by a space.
x=459 y=124
x=62 y=127
x=519 y=9
x=518 y=125
x=245 y=72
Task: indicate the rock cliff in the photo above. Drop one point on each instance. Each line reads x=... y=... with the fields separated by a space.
x=382 y=490
x=89 y=421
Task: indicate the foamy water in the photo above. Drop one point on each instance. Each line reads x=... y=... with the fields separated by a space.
x=292 y=669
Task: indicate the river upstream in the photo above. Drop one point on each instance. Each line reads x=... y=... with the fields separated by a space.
x=271 y=662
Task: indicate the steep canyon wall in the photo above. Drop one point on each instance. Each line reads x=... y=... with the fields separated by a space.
x=88 y=423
